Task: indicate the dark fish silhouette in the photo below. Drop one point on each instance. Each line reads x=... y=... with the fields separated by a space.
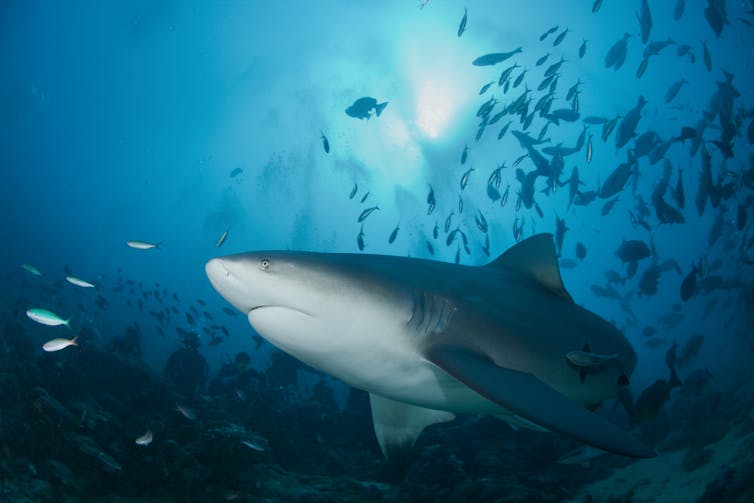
x=363 y=107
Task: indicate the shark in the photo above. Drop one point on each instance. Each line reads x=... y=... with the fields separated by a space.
x=428 y=339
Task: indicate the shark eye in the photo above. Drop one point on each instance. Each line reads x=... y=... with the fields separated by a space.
x=264 y=264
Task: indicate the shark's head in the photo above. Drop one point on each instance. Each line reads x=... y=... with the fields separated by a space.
x=308 y=304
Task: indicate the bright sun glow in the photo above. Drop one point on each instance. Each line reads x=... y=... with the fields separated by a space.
x=435 y=102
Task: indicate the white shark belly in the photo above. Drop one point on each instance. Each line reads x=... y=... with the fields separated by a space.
x=385 y=363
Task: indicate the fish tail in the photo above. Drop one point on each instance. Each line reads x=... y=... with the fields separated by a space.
x=73 y=341
x=379 y=108
x=67 y=323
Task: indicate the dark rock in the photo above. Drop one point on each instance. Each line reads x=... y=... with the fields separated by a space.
x=696 y=457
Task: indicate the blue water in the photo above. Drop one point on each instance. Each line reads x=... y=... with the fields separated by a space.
x=125 y=121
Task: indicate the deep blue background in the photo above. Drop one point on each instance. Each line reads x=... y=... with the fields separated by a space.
x=123 y=120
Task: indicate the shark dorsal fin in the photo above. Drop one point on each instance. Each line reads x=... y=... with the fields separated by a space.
x=536 y=257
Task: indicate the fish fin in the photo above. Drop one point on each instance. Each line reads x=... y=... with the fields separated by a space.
x=397 y=424
x=536 y=256
x=526 y=396
x=73 y=341
x=67 y=323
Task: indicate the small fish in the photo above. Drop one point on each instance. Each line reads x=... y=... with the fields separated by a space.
x=608 y=206
x=78 y=282
x=560 y=38
x=451 y=237
x=462 y=26
x=353 y=191
x=596 y=6
x=519 y=79
x=495 y=57
x=360 y=238
x=58 y=344
x=253 y=445
x=688 y=285
x=325 y=143
x=642 y=67
x=594 y=120
x=464 y=154
x=460 y=204
x=504 y=199
x=582 y=49
x=589 y=149
x=142 y=245
x=236 y=172
x=33 y=270
x=518 y=229
x=481 y=222
x=485 y=88
x=430 y=248
x=393 y=235
x=45 y=317
x=580 y=250
x=186 y=412
x=364 y=198
x=707 y=57
x=543 y=132
x=222 y=239
x=145 y=439
x=503 y=130
x=609 y=126
x=505 y=75
x=549 y=32
x=519 y=159
x=367 y=212
x=573 y=90
x=436 y=231
x=431 y=201
x=495 y=177
x=542 y=60
x=448 y=222
x=465 y=178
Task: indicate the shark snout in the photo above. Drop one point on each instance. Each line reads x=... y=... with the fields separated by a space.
x=216 y=271
x=227 y=284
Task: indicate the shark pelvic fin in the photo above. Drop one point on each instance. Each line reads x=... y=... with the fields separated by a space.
x=525 y=395
x=535 y=256
x=398 y=424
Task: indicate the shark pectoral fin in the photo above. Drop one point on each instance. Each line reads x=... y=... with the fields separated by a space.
x=525 y=395
x=398 y=424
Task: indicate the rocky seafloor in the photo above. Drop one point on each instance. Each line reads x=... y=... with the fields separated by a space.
x=69 y=422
